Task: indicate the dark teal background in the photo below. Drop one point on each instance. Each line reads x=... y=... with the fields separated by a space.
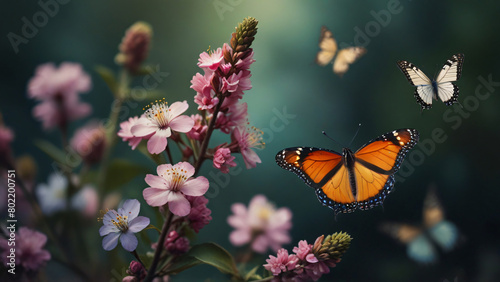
x=464 y=167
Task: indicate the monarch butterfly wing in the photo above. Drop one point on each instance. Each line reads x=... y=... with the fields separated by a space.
x=377 y=162
x=419 y=247
x=452 y=69
x=328 y=47
x=424 y=92
x=345 y=58
x=314 y=166
x=443 y=232
x=322 y=170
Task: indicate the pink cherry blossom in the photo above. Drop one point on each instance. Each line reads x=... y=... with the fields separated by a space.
x=303 y=249
x=89 y=142
x=158 y=123
x=172 y=185
x=247 y=139
x=212 y=60
x=126 y=134
x=281 y=263
x=50 y=82
x=261 y=225
x=223 y=159
x=29 y=252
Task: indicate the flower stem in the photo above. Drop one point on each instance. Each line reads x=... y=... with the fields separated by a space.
x=136 y=255
x=211 y=126
x=159 y=248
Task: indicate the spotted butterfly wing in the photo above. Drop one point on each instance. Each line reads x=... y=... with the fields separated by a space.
x=442 y=87
x=421 y=241
x=348 y=181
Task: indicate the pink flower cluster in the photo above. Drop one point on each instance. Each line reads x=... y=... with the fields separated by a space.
x=261 y=225
x=58 y=91
x=29 y=253
x=303 y=265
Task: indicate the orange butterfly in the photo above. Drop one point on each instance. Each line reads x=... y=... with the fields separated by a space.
x=347 y=181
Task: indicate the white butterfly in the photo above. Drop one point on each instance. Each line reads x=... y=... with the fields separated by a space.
x=329 y=48
x=421 y=240
x=441 y=87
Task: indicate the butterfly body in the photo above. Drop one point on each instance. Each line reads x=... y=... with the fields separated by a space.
x=351 y=180
x=431 y=89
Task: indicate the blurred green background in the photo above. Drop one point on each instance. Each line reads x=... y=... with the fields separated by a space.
x=373 y=92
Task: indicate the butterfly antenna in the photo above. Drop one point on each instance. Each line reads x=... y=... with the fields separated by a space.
x=324 y=133
x=356 y=134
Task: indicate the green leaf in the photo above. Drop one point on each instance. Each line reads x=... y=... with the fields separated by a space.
x=57 y=154
x=216 y=256
x=108 y=77
x=207 y=253
x=121 y=172
x=251 y=274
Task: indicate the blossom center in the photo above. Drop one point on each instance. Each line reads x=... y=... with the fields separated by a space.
x=177 y=178
x=255 y=138
x=159 y=113
x=120 y=221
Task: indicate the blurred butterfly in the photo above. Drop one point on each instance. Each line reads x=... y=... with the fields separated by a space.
x=421 y=241
x=441 y=87
x=329 y=47
x=347 y=181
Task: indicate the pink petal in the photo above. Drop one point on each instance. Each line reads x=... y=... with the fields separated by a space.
x=250 y=158
x=143 y=127
x=195 y=187
x=239 y=237
x=179 y=205
x=260 y=244
x=155 y=181
x=157 y=144
x=177 y=108
x=189 y=168
x=162 y=169
x=181 y=124
x=156 y=197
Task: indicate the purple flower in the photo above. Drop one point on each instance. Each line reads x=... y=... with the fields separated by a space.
x=122 y=225
x=158 y=123
x=261 y=225
x=172 y=185
x=281 y=263
x=29 y=252
x=223 y=159
x=200 y=214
